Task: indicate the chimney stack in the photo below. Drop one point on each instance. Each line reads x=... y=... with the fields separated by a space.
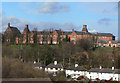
x=26 y=26
x=72 y=29
x=113 y=68
x=8 y=24
x=84 y=26
x=76 y=65
x=55 y=62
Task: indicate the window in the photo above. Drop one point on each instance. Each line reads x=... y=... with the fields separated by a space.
x=54 y=36
x=54 y=39
x=118 y=44
x=31 y=35
x=109 y=41
x=73 y=36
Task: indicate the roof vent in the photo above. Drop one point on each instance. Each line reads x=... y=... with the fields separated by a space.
x=55 y=62
x=76 y=65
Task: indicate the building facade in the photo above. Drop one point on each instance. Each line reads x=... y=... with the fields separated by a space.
x=55 y=36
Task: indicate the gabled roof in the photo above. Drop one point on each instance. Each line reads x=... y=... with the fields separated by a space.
x=15 y=31
x=44 y=32
x=59 y=32
x=117 y=71
x=78 y=68
x=94 y=70
x=107 y=70
x=54 y=66
x=37 y=64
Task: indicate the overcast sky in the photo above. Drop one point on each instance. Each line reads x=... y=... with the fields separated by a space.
x=98 y=16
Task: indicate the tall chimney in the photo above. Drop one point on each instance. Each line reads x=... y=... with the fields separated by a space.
x=8 y=24
x=26 y=26
x=72 y=29
x=84 y=26
x=55 y=62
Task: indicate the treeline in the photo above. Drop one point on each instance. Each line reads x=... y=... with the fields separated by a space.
x=83 y=52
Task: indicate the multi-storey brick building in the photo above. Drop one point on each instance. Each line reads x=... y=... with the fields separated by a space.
x=10 y=34
x=54 y=37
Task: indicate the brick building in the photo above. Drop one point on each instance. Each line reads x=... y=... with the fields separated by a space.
x=54 y=37
x=10 y=34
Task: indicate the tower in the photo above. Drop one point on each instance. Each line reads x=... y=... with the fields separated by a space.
x=26 y=30
x=84 y=29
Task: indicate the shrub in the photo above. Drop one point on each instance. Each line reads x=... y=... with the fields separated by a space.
x=13 y=68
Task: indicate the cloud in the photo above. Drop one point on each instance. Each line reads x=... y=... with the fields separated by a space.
x=20 y=23
x=104 y=21
x=53 y=7
x=93 y=31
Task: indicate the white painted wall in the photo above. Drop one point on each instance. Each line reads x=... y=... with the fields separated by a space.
x=92 y=75
x=75 y=74
x=53 y=70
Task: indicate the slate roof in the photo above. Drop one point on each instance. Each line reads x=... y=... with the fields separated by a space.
x=103 y=41
x=44 y=32
x=78 y=68
x=37 y=64
x=67 y=33
x=82 y=33
x=117 y=71
x=94 y=70
x=54 y=66
x=104 y=70
x=14 y=29
x=59 y=32
x=105 y=34
x=107 y=70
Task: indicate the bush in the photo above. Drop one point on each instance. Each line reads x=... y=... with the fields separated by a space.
x=13 y=68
